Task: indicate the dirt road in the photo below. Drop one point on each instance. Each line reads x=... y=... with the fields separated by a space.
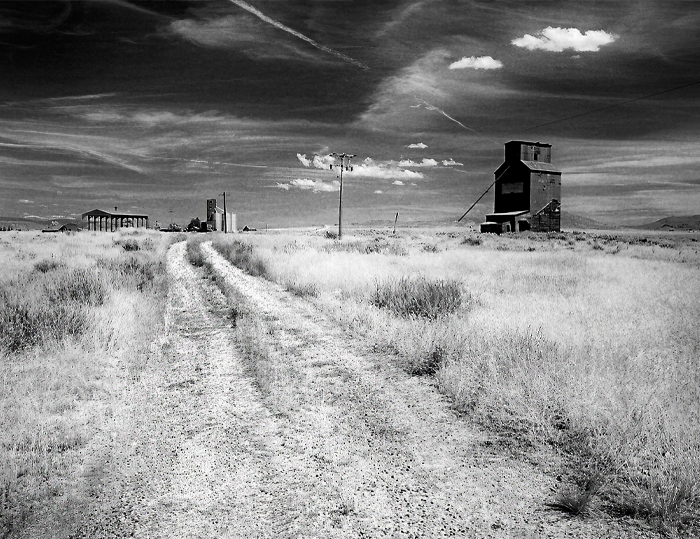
x=317 y=438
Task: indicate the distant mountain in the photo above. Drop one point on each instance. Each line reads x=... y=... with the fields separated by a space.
x=681 y=222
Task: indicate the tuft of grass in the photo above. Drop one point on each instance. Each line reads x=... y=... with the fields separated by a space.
x=472 y=240
x=303 y=289
x=577 y=500
x=418 y=296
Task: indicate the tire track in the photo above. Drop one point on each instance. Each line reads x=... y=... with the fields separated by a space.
x=404 y=465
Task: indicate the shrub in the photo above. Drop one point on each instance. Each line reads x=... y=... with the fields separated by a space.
x=243 y=256
x=379 y=245
x=28 y=320
x=418 y=297
x=134 y=271
x=194 y=254
x=129 y=245
x=44 y=266
x=82 y=286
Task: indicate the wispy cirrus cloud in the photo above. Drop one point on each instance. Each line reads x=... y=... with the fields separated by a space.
x=561 y=39
x=277 y=24
x=473 y=62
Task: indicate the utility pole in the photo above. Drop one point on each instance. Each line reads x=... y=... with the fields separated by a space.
x=225 y=217
x=342 y=160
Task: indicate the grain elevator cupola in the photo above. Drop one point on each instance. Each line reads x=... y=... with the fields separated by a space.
x=528 y=190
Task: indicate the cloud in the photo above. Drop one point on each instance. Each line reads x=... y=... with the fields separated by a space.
x=304 y=160
x=398 y=182
x=424 y=163
x=418 y=145
x=25 y=201
x=240 y=33
x=315 y=185
x=473 y=62
x=366 y=168
x=452 y=163
x=386 y=170
x=277 y=24
x=318 y=161
x=560 y=39
x=378 y=192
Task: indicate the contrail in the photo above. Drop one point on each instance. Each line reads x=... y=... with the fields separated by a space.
x=262 y=16
x=433 y=107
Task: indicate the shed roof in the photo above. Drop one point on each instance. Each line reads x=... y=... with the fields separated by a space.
x=530 y=143
x=103 y=213
x=534 y=166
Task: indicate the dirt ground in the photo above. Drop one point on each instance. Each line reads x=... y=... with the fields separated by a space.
x=339 y=443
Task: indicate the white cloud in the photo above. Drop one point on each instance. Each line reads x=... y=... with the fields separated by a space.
x=383 y=170
x=418 y=145
x=398 y=182
x=452 y=163
x=366 y=168
x=560 y=39
x=25 y=201
x=474 y=62
x=318 y=161
x=315 y=185
x=424 y=163
x=378 y=192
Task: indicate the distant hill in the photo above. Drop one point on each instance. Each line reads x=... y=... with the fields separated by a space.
x=681 y=222
x=23 y=223
x=571 y=220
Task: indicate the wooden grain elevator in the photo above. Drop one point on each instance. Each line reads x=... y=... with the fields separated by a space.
x=528 y=190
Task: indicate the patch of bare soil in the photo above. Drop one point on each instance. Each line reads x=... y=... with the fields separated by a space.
x=339 y=444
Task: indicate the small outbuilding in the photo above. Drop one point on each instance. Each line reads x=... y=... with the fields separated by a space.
x=67 y=227
x=528 y=190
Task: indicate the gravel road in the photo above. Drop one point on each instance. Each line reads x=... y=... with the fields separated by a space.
x=339 y=443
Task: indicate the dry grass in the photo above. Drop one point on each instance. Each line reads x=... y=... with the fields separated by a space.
x=587 y=343
x=77 y=315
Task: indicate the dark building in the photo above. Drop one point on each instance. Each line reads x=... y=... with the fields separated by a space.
x=528 y=190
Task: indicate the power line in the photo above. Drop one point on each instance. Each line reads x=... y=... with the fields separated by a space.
x=614 y=105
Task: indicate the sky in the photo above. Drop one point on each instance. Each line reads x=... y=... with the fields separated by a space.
x=154 y=106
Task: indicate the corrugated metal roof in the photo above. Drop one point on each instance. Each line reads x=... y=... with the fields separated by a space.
x=507 y=214
x=540 y=166
x=102 y=213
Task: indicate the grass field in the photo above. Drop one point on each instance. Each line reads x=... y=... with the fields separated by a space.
x=77 y=315
x=585 y=343
x=588 y=344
